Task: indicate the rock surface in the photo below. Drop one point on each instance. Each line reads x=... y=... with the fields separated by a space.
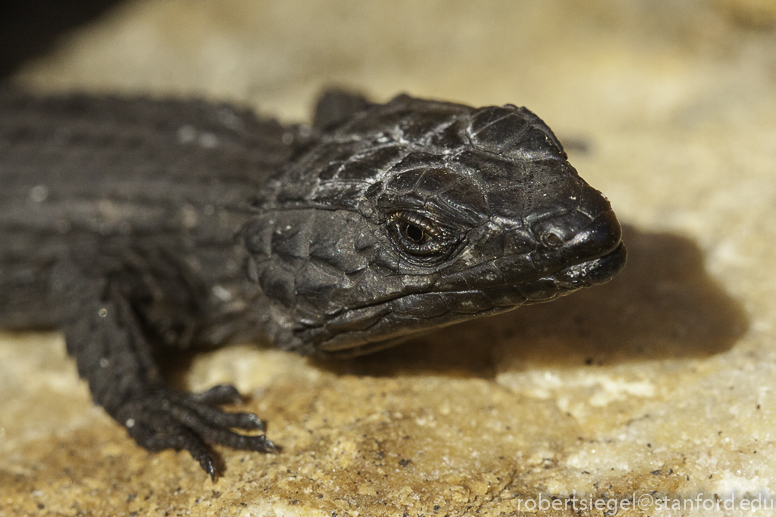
x=661 y=384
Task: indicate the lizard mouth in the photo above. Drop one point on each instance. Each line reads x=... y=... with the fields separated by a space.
x=385 y=324
x=591 y=272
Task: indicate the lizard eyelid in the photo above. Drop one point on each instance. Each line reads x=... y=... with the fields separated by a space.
x=418 y=235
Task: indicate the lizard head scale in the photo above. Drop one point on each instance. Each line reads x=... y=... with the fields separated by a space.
x=416 y=214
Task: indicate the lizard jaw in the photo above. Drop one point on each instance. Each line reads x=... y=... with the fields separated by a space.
x=385 y=324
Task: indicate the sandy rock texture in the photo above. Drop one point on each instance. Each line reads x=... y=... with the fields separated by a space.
x=654 y=390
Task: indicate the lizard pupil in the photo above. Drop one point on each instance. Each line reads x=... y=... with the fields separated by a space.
x=415 y=233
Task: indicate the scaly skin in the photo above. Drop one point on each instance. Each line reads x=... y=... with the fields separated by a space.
x=136 y=225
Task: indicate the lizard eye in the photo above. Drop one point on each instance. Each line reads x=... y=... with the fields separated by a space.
x=414 y=233
x=418 y=235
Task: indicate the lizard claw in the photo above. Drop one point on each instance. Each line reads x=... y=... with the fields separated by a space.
x=165 y=419
x=220 y=394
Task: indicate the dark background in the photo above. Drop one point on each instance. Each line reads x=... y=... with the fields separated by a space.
x=31 y=28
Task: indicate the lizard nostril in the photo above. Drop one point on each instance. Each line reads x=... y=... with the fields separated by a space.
x=551 y=238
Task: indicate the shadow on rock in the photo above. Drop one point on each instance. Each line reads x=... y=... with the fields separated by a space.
x=663 y=305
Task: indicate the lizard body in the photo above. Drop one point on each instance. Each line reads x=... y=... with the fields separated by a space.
x=136 y=225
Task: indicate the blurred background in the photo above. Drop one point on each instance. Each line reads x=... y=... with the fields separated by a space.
x=595 y=56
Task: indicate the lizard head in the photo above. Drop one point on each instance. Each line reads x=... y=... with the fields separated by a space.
x=416 y=214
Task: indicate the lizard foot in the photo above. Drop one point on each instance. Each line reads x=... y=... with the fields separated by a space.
x=165 y=419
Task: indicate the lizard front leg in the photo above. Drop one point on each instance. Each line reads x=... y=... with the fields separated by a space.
x=113 y=354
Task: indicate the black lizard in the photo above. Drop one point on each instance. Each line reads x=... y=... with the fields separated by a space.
x=139 y=225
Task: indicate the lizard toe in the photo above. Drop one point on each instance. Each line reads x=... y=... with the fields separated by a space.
x=165 y=419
